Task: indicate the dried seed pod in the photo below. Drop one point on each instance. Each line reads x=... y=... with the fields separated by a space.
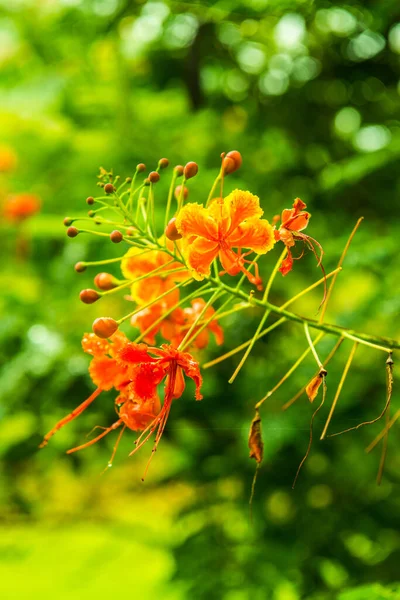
x=314 y=385
x=104 y=327
x=256 y=443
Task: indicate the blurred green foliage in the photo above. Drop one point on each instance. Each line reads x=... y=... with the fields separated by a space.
x=308 y=91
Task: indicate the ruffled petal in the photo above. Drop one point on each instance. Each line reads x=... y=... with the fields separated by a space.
x=149 y=289
x=241 y=206
x=286 y=264
x=255 y=234
x=199 y=255
x=194 y=219
x=106 y=373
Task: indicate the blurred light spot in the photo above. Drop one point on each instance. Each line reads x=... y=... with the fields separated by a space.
x=235 y=119
x=336 y=92
x=366 y=45
x=359 y=545
x=229 y=34
x=9 y=39
x=236 y=85
x=333 y=573
x=249 y=27
x=104 y=8
x=285 y=591
x=76 y=365
x=290 y=31
x=373 y=89
x=211 y=78
x=306 y=68
x=394 y=38
x=274 y=82
x=372 y=138
x=159 y=9
x=317 y=464
x=337 y=20
x=48 y=341
x=281 y=62
x=181 y=31
x=317 y=156
x=251 y=57
x=319 y=496
x=347 y=121
x=280 y=507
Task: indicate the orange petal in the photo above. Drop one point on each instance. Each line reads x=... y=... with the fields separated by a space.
x=299 y=222
x=137 y=262
x=199 y=255
x=256 y=234
x=153 y=287
x=286 y=264
x=106 y=373
x=194 y=219
x=241 y=206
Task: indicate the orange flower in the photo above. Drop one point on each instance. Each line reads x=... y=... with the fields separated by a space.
x=233 y=222
x=8 y=159
x=138 y=262
x=294 y=220
x=176 y=329
x=21 y=206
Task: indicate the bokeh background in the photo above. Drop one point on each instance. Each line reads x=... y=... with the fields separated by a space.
x=308 y=92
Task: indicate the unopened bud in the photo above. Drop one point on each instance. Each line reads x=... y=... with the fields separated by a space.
x=89 y=296
x=67 y=221
x=141 y=167
x=91 y=213
x=104 y=327
x=154 y=177
x=146 y=181
x=178 y=191
x=232 y=162
x=130 y=231
x=128 y=179
x=171 y=231
x=116 y=236
x=80 y=267
x=179 y=170
x=72 y=232
x=90 y=200
x=109 y=188
x=190 y=170
x=163 y=163
x=105 y=281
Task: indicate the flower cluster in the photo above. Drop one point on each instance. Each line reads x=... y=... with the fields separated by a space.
x=181 y=279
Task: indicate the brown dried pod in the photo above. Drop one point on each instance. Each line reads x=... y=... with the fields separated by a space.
x=314 y=385
x=256 y=443
x=104 y=327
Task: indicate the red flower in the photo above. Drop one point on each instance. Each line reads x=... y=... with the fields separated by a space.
x=294 y=220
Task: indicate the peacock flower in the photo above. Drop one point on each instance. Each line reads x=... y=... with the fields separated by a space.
x=175 y=329
x=232 y=222
x=293 y=221
x=21 y=206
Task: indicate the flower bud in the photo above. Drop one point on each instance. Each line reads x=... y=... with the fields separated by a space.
x=91 y=213
x=179 y=170
x=163 y=163
x=146 y=181
x=89 y=296
x=80 y=267
x=232 y=162
x=116 y=236
x=109 y=188
x=141 y=167
x=72 y=232
x=171 y=231
x=67 y=221
x=90 y=200
x=154 y=177
x=104 y=327
x=190 y=170
x=105 y=281
x=131 y=231
x=178 y=190
x=128 y=179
